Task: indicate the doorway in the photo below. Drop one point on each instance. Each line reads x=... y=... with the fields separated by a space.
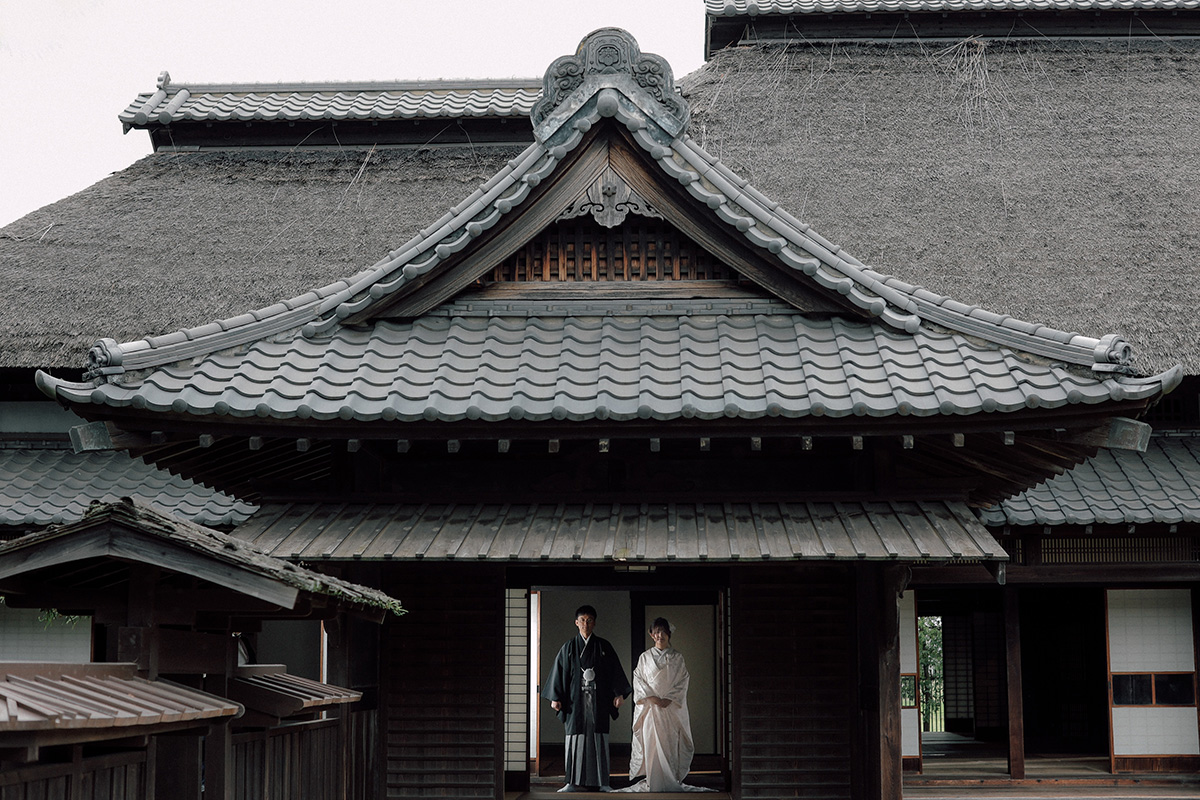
x=623 y=617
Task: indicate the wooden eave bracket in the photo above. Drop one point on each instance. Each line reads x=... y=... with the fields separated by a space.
x=998 y=570
x=1117 y=433
x=105 y=435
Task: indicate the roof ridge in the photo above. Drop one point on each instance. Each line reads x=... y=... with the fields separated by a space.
x=752 y=8
x=177 y=101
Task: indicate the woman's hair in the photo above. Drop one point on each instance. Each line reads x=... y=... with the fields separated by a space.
x=661 y=623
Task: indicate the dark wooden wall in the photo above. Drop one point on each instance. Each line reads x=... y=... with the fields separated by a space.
x=303 y=760
x=442 y=683
x=117 y=776
x=793 y=668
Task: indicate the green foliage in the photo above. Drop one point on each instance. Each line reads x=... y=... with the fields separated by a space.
x=50 y=618
x=933 y=686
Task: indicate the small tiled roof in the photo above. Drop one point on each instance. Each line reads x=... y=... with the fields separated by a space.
x=1115 y=487
x=48 y=487
x=270 y=689
x=72 y=701
x=738 y=8
x=608 y=533
x=175 y=102
x=190 y=543
x=702 y=359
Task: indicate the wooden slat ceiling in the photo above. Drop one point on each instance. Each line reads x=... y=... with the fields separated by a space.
x=616 y=533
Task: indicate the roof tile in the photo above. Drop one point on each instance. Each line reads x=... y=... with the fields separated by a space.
x=1115 y=487
x=44 y=487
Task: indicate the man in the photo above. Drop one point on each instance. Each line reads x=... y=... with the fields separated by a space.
x=586 y=686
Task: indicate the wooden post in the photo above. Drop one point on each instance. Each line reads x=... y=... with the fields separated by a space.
x=337 y=672
x=1016 y=708
x=891 y=758
x=878 y=601
x=218 y=743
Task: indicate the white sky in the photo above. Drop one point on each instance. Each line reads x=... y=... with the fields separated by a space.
x=68 y=67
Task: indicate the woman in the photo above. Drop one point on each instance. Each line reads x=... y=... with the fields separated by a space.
x=662 y=731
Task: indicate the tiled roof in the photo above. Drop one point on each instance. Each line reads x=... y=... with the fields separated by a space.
x=607 y=533
x=712 y=361
x=46 y=487
x=738 y=8
x=335 y=101
x=153 y=534
x=275 y=373
x=1120 y=487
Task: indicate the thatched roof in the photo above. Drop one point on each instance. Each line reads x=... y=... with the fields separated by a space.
x=1052 y=181
x=181 y=239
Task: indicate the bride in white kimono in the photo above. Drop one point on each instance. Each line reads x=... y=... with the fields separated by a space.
x=662 y=731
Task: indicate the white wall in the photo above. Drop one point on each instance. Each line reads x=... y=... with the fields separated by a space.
x=25 y=637
x=910 y=718
x=1150 y=630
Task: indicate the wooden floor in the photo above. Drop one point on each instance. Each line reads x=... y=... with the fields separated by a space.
x=959 y=767
x=956 y=768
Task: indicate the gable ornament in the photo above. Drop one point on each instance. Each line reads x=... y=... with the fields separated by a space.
x=609 y=200
x=609 y=64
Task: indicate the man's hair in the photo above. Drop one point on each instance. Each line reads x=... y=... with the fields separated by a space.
x=579 y=612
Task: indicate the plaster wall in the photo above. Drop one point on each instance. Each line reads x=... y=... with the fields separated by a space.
x=1150 y=630
x=25 y=637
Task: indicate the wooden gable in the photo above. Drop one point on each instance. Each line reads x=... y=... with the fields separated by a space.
x=606 y=224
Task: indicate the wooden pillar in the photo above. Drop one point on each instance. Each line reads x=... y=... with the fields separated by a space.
x=891 y=751
x=878 y=591
x=218 y=743
x=337 y=672
x=1016 y=708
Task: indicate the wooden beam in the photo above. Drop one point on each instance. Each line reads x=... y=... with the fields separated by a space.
x=1121 y=433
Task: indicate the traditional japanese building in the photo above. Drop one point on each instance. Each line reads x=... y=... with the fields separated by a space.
x=621 y=370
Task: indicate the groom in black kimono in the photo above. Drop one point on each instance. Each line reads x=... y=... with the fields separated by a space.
x=586 y=686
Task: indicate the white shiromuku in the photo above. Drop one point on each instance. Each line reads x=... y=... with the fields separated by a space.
x=662 y=737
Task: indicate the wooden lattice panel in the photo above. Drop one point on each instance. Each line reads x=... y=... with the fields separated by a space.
x=579 y=250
